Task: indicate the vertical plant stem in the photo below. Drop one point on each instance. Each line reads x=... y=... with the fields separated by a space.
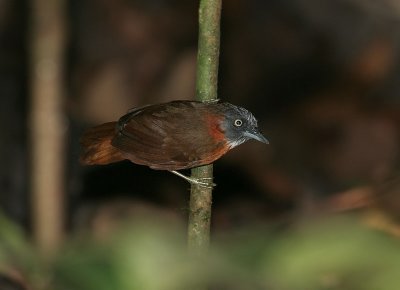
x=47 y=127
x=206 y=91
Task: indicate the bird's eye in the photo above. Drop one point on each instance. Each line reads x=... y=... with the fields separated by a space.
x=238 y=122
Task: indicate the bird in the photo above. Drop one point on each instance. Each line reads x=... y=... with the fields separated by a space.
x=171 y=136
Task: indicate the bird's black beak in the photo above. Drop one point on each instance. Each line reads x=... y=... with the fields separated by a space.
x=256 y=135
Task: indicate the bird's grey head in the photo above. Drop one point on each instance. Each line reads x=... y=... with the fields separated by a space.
x=240 y=125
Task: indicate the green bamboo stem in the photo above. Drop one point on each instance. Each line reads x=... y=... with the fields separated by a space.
x=206 y=91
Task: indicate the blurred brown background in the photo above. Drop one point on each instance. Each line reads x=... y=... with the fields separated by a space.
x=322 y=77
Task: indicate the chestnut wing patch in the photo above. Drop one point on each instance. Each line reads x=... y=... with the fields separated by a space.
x=169 y=137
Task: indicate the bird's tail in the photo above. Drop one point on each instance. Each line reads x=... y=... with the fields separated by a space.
x=97 y=148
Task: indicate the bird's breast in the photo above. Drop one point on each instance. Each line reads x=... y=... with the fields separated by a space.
x=214 y=128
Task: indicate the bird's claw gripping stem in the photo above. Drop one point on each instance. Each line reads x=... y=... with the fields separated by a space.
x=203 y=182
x=212 y=101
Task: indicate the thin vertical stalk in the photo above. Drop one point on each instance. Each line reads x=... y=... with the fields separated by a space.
x=47 y=128
x=206 y=91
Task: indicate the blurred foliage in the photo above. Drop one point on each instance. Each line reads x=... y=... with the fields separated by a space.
x=331 y=253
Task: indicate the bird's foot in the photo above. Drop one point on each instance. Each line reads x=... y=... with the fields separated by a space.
x=203 y=182
x=213 y=101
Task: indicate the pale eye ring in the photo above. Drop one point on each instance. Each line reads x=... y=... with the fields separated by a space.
x=238 y=123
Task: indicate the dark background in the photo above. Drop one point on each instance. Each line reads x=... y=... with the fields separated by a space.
x=322 y=77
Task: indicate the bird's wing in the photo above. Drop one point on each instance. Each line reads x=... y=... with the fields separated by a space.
x=170 y=137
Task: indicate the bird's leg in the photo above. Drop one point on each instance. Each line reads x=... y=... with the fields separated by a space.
x=205 y=182
x=213 y=101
